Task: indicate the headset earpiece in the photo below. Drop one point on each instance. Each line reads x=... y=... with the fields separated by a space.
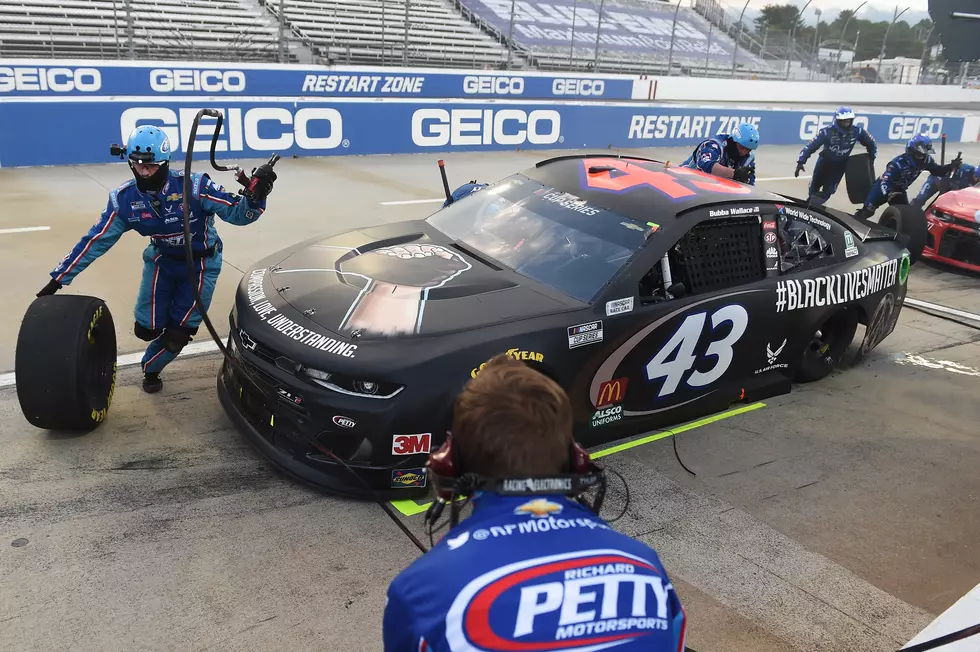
x=443 y=469
x=580 y=463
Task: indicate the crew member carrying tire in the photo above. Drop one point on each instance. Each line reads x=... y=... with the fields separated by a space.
x=151 y=205
x=728 y=155
x=837 y=141
x=901 y=172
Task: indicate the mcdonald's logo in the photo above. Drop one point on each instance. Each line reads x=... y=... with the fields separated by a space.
x=612 y=391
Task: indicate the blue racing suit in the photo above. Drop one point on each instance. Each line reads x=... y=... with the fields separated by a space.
x=718 y=150
x=899 y=174
x=832 y=161
x=962 y=177
x=166 y=296
x=523 y=572
x=464 y=190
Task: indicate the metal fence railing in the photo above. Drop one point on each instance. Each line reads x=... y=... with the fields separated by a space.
x=700 y=38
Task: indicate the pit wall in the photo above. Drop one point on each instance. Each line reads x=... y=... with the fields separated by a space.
x=69 y=112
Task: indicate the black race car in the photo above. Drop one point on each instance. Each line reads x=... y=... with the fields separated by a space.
x=652 y=294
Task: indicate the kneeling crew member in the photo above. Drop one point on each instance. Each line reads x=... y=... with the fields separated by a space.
x=728 y=155
x=531 y=567
x=151 y=204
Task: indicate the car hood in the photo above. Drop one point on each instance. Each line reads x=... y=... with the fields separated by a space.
x=964 y=203
x=402 y=280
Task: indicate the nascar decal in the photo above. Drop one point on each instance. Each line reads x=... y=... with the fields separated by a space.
x=586 y=600
x=584 y=334
x=794 y=294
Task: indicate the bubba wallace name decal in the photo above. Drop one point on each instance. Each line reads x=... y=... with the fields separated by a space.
x=794 y=294
x=268 y=313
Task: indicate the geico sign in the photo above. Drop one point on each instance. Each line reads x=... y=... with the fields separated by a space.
x=493 y=85
x=240 y=129
x=905 y=128
x=59 y=80
x=212 y=81
x=578 y=87
x=811 y=124
x=439 y=127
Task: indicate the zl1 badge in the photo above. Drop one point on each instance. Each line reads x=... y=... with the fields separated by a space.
x=407 y=478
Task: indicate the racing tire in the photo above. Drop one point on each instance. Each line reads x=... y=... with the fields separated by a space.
x=909 y=221
x=859 y=176
x=65 y=364
x=827 y=346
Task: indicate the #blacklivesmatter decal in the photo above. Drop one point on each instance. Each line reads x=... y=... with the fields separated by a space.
x=270 y=315
x=794 y=294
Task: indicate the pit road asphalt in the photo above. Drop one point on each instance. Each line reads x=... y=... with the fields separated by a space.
x=842 y=516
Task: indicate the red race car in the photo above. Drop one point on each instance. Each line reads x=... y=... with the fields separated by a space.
x=953 y=235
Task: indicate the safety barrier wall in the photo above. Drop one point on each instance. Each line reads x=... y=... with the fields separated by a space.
x=82 y=109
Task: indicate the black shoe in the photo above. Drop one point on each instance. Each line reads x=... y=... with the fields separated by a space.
x=152 y=383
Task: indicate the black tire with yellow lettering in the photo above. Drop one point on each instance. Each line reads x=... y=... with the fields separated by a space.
x=66 y=362
x=828 y=345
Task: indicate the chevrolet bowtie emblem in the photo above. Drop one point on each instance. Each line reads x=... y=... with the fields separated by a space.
x=247 y=342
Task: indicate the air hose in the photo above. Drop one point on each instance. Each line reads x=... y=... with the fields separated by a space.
x=199 y=302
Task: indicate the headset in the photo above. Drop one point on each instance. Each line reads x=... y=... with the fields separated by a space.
x=451 y=482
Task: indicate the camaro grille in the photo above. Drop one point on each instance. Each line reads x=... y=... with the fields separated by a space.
x=961 y=246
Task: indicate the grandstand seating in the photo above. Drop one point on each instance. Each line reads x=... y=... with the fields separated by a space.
x=429 y=33
x=373 y=32
x=226 y=30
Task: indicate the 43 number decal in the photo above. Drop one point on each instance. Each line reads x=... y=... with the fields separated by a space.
x=685 y=341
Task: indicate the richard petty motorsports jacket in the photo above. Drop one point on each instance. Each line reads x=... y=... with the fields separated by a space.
x=130 y=209
x=837 y=143
x=532 y=572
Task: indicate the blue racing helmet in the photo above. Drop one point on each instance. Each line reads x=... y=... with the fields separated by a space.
x=844 y=114
x=148 y=144
x=920 y=147
x=746 y=135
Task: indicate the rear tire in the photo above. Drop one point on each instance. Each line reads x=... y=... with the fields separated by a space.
x=827 y=346
x=910 y=221
x=65 y=363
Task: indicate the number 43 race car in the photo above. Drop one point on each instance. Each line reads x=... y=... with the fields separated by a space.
x=652 y=294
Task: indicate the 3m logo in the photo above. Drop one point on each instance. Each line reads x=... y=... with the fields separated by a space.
x=411 y=444
x=612 y=391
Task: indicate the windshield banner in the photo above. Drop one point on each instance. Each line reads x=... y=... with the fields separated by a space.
x=337 y=128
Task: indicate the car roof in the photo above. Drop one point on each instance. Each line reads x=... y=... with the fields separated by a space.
x=607 y=181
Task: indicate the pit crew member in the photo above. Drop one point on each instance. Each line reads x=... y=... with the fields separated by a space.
x=151 y=205
x=837 y=141
x=516 y=573
x=728 y=155
x=963 y=177
x=901 y=171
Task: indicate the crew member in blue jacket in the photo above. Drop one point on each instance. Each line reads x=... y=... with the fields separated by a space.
x=837 y=141
x=526 y=572
x=728 y=155
x=962 y=177
x=902 y=171
x=151 y=205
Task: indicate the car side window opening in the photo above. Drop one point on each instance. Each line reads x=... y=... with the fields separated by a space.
x=799 y=243
x=714 y=255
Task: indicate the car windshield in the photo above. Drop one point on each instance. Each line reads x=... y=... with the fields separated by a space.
x=545 y=234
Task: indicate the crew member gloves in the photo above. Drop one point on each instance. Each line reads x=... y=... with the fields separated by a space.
x=263 y=176
x=799 y=168
x=52 y=287
x=743 y=173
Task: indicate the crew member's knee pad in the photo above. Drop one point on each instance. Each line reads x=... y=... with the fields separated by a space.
x=175 y=338
x=146 y=334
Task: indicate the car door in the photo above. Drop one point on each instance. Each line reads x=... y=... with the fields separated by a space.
x=696 y=347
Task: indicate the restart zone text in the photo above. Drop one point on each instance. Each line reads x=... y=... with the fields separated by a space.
x=652 y=294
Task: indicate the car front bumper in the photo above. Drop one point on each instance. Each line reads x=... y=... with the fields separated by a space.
x=283 y=432
x=952 y=243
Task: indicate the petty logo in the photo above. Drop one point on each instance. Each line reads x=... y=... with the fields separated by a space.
x=585 y=600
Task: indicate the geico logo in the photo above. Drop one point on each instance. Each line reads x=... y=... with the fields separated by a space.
x=59 y=80
x=241 y=128
x=493 y=85
x=904 y=128
x=578 y=87
x=811 y=124
x=584 y=601
x=213 y=81
x=439 y=127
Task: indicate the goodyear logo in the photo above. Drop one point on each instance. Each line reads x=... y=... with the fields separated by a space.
x=517 y=354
